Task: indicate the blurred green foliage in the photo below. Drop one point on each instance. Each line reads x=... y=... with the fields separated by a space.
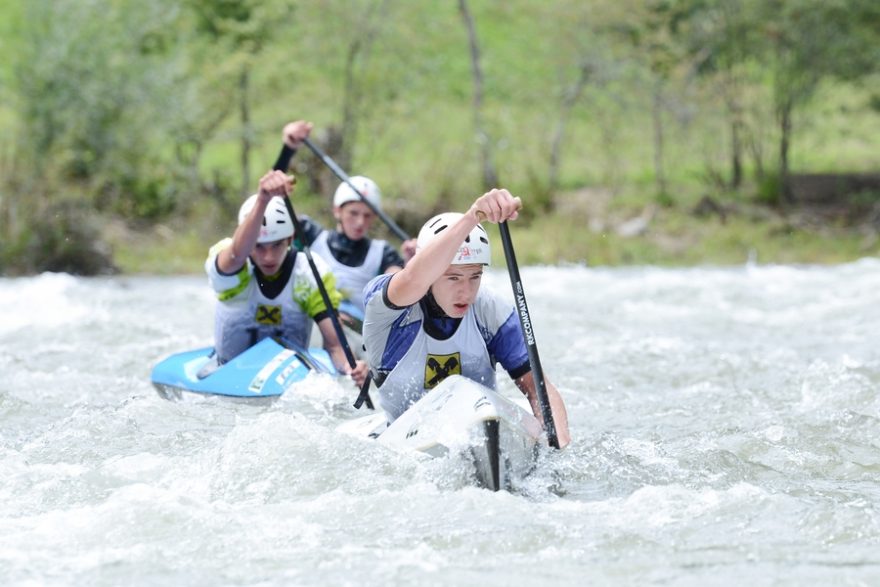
x=164 y=113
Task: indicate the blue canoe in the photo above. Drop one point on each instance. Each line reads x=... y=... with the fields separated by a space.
x=267 y=369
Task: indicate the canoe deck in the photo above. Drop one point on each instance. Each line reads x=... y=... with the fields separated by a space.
x=460 y=416
x=267 y=369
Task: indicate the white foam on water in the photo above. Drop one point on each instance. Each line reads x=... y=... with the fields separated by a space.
x=724 y=422
x=48 y=301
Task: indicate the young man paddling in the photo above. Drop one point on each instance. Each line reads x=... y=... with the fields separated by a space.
x=352 y=255
x=264 y=287
x=432 y=319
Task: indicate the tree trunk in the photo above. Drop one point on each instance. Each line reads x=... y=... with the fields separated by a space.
x=785 y=128
x=490 y=176
x=361 y=40
x=569 y=100
x=246 y=132
x=350 y=95
x=755 y=149
x=736 y=170
x=656 y=111
x=734 y=110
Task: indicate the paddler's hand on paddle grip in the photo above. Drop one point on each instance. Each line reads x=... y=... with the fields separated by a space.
x=359 y=373
x=295 y=133
x=276 y=183
x=496 y=205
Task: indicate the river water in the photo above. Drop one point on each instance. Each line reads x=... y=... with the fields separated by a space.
x=724 y=420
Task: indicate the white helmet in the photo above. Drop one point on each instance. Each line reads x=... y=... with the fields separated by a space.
x=475 y=248
x=366 y=186
x=276 y=220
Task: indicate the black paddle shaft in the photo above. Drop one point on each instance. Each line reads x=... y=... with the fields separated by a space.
x=399 y=232
x=522 y=309
x=331 y=311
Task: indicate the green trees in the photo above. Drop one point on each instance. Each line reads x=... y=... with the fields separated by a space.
x=139 y=112
x=795 y=44
x=235 y=33
x=806 y=42
x=89 y=83
x=94 y=80
x=114 y=103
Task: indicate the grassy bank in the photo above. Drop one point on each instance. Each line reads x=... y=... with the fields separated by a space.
x=670 y=237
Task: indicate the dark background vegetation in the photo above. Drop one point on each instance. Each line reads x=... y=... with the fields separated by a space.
x=636 y=131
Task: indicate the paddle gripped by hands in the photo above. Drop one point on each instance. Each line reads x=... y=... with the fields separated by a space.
x=294 y=133
x=496 y=205
x=333 y=346
x=274 y=183
x=360 y=372
x=411 y=283
x=233 y=257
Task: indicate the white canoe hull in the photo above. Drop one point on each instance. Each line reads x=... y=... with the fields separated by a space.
x=461 y=416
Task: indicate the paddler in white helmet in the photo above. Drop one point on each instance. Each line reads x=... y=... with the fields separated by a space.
x=265 y=287
x=432 y=319
x=352 y=255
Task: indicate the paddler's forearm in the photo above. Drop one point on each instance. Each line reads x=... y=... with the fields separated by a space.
x=340 y=361
x=284 y=157
x=332 y=345
x=560 y=415
x=233 y=257
x=526 y=383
